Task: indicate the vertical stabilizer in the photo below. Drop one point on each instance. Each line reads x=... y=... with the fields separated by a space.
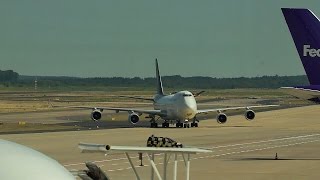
x=159 y=82
x=305 y=31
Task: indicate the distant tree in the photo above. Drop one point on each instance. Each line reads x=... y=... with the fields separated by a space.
x=8 y=76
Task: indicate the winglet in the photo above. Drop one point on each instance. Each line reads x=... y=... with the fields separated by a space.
x=159 y=82
x=305 y=31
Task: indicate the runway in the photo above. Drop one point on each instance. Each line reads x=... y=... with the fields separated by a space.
x=241 y=149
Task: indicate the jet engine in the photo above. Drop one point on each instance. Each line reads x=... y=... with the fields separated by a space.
x=249 y=115
x=133 y=118
x=221 y=118
x=96 y=115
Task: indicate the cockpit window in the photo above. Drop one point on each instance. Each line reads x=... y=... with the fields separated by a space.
x=187 y=95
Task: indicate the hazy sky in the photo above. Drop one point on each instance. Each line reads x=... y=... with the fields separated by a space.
x=217 y=38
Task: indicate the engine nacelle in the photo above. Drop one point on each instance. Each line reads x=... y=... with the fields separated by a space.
x=133 y=118
x=249 y=115
x=96 y=115
x=221 y=118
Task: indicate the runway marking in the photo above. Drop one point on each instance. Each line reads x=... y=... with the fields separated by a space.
x=270 y=140
x=107 y=160
x=98 y=161
x=259 y=149
x=242 y=148
x=257 y=145
x=244 y=151
x=218 y=155
x=212 y=148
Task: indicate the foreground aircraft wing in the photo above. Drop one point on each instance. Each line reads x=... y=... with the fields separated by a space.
x=233 y=108
x=302 y=92
x=86 y=147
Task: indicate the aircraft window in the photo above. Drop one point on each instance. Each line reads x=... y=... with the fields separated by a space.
x=187 y=95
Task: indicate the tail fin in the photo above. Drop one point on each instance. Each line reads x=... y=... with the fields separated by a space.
x=159 y=82
x=305 y=31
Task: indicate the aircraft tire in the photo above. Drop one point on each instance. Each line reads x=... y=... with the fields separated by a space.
x=165 y=125
x=154 y=125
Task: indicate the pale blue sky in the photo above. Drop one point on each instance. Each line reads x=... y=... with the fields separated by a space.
x=88 y=38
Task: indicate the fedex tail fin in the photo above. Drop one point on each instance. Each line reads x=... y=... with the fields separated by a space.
x=159 y=82
x=305 y=31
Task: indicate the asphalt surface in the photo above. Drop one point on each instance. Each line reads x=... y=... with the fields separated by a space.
x=241 y=149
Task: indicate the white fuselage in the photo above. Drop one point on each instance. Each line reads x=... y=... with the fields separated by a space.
x=179 y=106
x=19 y=162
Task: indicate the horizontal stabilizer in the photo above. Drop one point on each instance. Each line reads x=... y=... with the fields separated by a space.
x=304 y=92
x=140 y=98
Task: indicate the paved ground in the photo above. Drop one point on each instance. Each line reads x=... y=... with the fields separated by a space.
x=241 y=149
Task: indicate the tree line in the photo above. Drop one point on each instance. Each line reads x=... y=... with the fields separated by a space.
x=175 y=82
x=12 y=78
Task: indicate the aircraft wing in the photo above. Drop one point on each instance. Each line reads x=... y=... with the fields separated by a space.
x=140 y=98
x=303 y=93
x=86 y=147
x=143 y=111
x=233 y=108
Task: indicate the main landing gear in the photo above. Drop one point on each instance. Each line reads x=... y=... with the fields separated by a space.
x=186 y=124
x=154 y=125
x=166 y=124
x=179 y=125
x=194 y=122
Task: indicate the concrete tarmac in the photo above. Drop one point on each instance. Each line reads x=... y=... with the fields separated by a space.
x=241 y=149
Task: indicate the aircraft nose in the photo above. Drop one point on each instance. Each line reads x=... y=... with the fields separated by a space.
x=191 y=105
x=191 y=108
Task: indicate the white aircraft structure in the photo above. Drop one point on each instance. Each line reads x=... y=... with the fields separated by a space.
x=19 y=162
x=178 y=108
x=150 y=151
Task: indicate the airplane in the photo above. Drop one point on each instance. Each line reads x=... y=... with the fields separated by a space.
x=178 y=108
x=304 y=27
x=20 y=162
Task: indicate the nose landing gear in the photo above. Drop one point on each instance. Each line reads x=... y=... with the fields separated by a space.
x=186 y=125
x=179 y=124
x=194 y=122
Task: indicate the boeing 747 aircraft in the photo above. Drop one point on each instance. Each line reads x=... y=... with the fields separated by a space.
x=179 y=108
x=304 y=26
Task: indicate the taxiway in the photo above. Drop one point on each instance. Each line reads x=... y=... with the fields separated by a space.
x=241 y=149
